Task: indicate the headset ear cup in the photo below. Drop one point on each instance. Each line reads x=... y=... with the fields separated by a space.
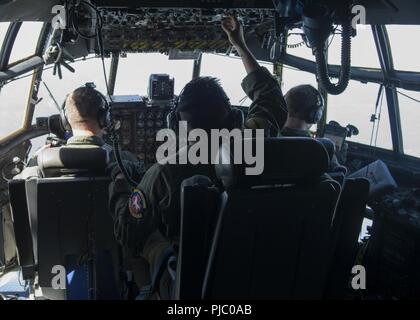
x=316 y=114
x=311 y=117
x=63 y=117
x=321 y=107
x=102 y=118
x=319 y=114
x=104 y=113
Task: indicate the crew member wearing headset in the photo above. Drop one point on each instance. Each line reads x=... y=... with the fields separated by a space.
x=85 y=115
x=147 y=218
x=305 y=106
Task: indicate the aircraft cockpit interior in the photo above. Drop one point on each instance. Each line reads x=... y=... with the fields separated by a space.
x=318 y=199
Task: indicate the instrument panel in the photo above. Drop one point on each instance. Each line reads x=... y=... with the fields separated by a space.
x=166 y=29
x=139 y=124
x=187 y=3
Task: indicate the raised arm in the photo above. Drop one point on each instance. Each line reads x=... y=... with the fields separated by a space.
x=268 y=110
x=235 y=32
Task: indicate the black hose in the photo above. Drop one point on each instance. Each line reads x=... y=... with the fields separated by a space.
x=74 y=22
x=114 y=134
x=345 y=72
x=117 y=154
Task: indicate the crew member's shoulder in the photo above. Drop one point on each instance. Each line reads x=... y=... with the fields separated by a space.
x=155 y=173
x=257 y=77
x=174 y=174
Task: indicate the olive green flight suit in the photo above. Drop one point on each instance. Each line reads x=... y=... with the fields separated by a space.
x=161 y=184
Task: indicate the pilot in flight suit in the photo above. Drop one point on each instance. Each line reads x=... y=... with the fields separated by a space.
x=82 y=114
x=143 y=218
x=305 y=108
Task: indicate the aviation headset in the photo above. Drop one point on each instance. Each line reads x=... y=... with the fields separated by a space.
x=234 y=119
x=104 y=116
x=317 y=111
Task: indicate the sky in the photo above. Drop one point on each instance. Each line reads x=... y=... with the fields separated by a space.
x=355 y=106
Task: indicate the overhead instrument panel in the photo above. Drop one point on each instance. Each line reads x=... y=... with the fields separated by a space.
x=163 y=29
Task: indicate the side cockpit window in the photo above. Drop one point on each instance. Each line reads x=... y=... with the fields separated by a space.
x=363 y=49
x=409 y=102
x=26 y=41
x=13 y=101
x=15 y=92
x=405 y=54
x=3 y=30
x=357 y=106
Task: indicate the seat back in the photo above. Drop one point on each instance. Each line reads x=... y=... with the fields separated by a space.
x=270 y=244
x=273 y=231
x=21 y=225
x=347 y=227
x=197 y=227
x=72 y=227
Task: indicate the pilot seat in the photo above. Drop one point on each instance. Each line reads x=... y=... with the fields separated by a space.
x=70 y=225
x=271 y=236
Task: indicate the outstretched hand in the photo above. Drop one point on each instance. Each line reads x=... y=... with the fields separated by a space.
x=234 y=30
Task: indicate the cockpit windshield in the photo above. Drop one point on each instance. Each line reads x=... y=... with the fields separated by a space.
x=117 y=120
x=134 y=71
x=409 y=102
x=404 y=53
x=26 y=41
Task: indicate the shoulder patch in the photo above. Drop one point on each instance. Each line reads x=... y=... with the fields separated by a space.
x=137 y=204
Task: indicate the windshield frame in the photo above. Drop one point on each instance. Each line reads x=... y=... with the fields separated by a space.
x=36 y=71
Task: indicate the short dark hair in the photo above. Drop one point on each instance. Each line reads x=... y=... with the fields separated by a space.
x=301 y=101
x=205 y=102
x=83 y=105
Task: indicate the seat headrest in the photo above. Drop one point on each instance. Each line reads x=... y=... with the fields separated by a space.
x=286 y=161
x=56 y=162
x=196 y=181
